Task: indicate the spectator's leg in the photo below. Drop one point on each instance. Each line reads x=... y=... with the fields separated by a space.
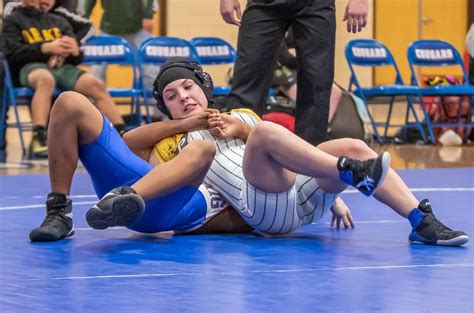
x=260 y=34
x=314 y=31
x=42 y=81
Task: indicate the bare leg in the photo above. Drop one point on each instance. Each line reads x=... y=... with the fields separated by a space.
x=95 y=88
x=187 y=169
x=42 y=81
x=393 y=191
x=273 y=155
x=74 y=121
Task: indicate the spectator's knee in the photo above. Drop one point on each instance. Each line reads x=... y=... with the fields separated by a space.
x=98 y=87
x=46 y=82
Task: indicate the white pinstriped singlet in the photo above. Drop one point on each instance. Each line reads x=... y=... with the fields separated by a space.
x=270 y=213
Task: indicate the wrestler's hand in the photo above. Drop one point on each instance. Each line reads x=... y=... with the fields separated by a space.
x=195 y=122
x=340 y=212
x=356 y=15
x=230 y=11
x=224 y=125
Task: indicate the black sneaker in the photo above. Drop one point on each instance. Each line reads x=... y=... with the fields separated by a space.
x=58 y=222
x=120 y=207
x=432 y=232
x=38 y=144
x=367 y=175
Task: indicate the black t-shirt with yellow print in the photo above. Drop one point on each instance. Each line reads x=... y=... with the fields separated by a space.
x=25 y=30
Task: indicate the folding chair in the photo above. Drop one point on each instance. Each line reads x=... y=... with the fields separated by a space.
x=114 y=50
x=10 y=97
x=371 y=53
x=156 y=50
x=437 y=53
x=215 y=51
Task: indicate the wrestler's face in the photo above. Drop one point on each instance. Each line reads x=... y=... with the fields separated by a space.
x=46 y=5
x=184 y=98
x=31 y=3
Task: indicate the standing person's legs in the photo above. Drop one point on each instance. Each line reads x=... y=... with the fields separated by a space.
x=100 y=71
x=314 y=32
x=260 y=34
x=136 y=39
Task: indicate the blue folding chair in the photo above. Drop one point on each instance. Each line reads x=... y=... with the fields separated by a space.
x=437 y=53
x=11 y=96
x=114 y=50
x=371 y=53
x=215 y=51
x=156 y=50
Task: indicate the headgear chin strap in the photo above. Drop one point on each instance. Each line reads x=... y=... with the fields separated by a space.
x=179 y=68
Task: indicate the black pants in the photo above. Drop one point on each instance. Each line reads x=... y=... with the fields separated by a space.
x=263 y=27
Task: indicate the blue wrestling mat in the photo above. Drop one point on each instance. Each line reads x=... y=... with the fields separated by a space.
x=371 y=268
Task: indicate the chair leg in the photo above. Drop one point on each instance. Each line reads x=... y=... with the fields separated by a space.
x=411 y=107
x=18 y=123
x=389 y=116
x=374 y=126
x=3 y=118
x=428 y=121
x=147 y=109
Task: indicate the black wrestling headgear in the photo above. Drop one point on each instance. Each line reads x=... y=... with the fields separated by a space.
x=180 y=68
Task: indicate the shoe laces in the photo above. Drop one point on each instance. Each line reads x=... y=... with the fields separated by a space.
x=437 y=223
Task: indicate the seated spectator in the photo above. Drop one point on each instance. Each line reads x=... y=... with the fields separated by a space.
x=43 y=51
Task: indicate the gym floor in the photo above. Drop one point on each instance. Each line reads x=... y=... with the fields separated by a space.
x=371 y=268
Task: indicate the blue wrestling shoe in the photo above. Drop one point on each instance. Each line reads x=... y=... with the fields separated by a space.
x=431 y=231
x=119 y=207
x=367 y=175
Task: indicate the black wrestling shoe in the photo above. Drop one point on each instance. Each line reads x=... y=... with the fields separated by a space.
x=120 y=207
x=432 y=232
x=38 y=146
x=367 y=175
x=58 y=222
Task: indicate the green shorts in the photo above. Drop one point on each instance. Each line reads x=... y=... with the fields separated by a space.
x=65 y=76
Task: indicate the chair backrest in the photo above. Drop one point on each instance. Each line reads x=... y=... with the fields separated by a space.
x=213 y=50
x=104 y=50
x=369 y=53
x=156 y=50
x=110 y=50
x=434 y=53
